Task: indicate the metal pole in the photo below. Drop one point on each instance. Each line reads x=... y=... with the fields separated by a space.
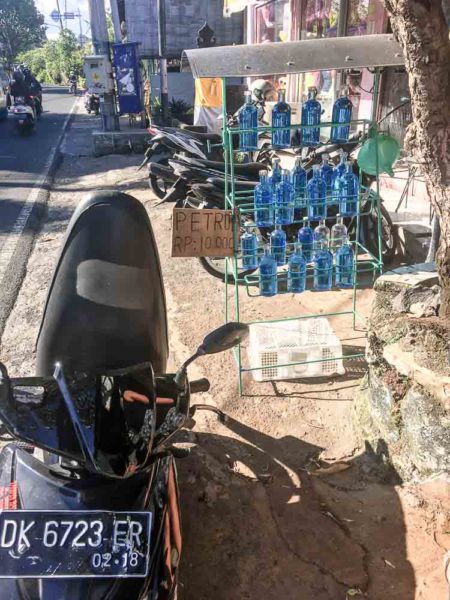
x=115 y=20
x=59 y=12
x=99 y=28
x=163 y=60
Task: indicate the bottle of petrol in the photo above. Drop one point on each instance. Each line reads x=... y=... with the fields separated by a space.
x=317 y=196
x=341 y=116
x=268 y=282
x=281 y=118
x=311 y=112
x=248 y=119
x=264 y=201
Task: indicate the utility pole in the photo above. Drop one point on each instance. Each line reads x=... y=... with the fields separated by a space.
x=81 y=29
x=101 y=46
x=59 y=12
x=163 y=60
x=115 y=20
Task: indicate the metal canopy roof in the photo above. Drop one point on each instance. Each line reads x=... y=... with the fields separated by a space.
x=296 y=57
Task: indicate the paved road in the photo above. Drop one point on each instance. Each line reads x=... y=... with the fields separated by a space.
x=23 y=162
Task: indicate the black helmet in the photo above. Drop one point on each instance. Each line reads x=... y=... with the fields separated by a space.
x=18 y=75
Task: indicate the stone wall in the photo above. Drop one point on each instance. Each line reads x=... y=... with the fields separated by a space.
x=403 y=404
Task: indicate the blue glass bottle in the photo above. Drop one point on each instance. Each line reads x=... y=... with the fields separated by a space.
x=284 y=201
x=317 y=196
x=323 y=268
x=275 y=176
x=268 y=282
x=321 y=236
x=264 y=202
x=326 y=170
x=337 y=172
x=342 y=113
x=249 y=248
x=344 y=265
x=348 y=192
x=298 y=180
x=278 y=245
x=297 y=271
x=311 y=112
x=281 y=117
x=248 y=119
x=305 y=237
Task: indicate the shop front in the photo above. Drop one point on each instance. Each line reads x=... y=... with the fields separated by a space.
x=293 y=20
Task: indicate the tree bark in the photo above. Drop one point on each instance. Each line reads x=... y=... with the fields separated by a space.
x=422 y=32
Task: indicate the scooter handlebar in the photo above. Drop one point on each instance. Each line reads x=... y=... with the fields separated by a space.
x=199 y=385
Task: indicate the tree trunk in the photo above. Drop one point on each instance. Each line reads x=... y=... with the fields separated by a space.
x=421 y=30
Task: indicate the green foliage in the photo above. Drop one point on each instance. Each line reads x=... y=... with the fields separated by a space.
x=179 y=108
x=53 y=62
x=21 y=27
x=110 y=26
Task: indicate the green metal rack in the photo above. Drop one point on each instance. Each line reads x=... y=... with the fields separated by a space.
x=373 y=51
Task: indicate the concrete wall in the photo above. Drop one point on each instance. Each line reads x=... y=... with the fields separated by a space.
x=184 y=19
x=181 y=86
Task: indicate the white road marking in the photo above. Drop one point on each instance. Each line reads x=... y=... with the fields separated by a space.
x=13 y=237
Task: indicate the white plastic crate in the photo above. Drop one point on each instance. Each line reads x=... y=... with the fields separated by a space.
x=299 y=340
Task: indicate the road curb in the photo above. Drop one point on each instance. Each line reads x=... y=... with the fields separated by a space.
x=27 y=226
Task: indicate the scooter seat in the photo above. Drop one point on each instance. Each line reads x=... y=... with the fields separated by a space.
x=105 y=307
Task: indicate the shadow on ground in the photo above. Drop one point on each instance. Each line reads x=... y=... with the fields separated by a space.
x=255 y=517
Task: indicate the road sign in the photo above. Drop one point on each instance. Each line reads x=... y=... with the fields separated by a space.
x=55 y=15
x=69 y=15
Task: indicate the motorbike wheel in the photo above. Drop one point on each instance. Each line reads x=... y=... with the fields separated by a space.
x=157 y=184
x=389 y=235
x=216 y=268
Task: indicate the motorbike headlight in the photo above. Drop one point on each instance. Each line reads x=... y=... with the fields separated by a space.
x=20 y=110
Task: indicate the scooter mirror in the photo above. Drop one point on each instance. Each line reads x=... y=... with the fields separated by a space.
x=225 y=337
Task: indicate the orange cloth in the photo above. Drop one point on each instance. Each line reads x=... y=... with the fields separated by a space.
x=208 y=92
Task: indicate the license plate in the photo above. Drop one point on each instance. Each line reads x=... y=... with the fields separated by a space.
x=21 y=121
x=74 y=544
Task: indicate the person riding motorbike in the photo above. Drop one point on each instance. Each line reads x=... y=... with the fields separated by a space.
x=20 y=88
x=35 y=87
x=72 y=82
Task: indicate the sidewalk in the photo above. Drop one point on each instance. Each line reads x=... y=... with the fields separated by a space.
x=261 y=520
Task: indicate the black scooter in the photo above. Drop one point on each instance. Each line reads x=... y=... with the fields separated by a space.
x=88 y=484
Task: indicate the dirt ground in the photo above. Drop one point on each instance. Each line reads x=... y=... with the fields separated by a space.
x=262 y=520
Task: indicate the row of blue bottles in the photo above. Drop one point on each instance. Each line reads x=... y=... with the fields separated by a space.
x=281 y=121
x=277 y=197
x=275 y=256
x=268 y=280
x=323 y=266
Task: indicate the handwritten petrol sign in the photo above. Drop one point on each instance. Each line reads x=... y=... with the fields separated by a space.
x=204 y=232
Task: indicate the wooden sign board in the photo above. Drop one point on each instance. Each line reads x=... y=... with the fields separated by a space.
x=202 y=232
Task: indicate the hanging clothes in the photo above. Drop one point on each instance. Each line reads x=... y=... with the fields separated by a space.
x=208 y=103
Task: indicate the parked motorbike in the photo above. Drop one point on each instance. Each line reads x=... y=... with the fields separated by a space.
x=24 y=111
x=89 y=496
x=92 y=103
x=165 y=143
